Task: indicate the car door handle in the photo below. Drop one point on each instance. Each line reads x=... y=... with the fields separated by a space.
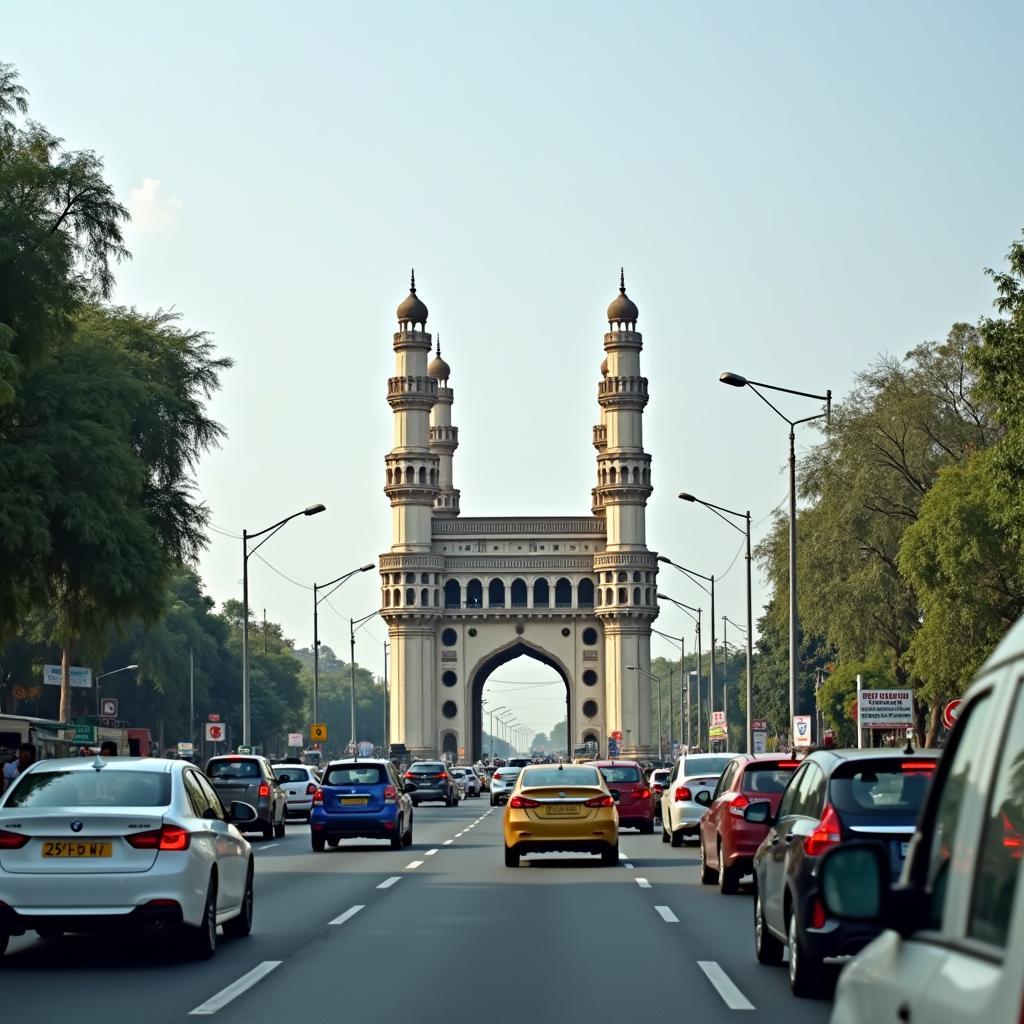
x=903 y=1012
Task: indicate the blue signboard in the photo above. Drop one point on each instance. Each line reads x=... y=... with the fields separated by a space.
x=613 y=747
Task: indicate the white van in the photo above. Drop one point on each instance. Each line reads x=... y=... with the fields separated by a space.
x=953 y=950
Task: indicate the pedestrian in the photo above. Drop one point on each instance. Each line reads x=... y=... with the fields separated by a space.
x=26 y=757
x=108 y=748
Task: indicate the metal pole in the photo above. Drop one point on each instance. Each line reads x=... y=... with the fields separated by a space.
x=671 y=708
x=711 y=677
x=725 y=676
x=387 y=717
x=699 y=646
x=191 y=697
x=684 y=698
x=661 y=730
x=750 y=652
x=352 y=666
x=246 y=719
x=860 y=730
x=316 y=659
x=794 y=622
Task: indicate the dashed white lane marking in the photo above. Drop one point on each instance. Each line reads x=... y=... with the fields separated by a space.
x=448 y=842
x=643 y=883
x=430 y=853
x=235 y=989
x=413 y=865
x=387 y=883
x=667 y=916
x=730 y=994
x=628 y=865
x=348 y=915
x=269 y=846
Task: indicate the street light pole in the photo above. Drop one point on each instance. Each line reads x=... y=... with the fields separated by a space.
x=695 y=615
x=353 y=625
x=309 y=510
x=738 y=381
x=103 y=675
x=695 y=577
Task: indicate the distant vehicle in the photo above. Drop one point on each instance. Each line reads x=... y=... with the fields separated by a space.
x=250 y=778
x=563 y=808
x=833 y=797
x=51 y=739
x=431 y=780
x=314 y=758
x=519 y=762
x=681 y=811
x=626 y=782
x=360 y=798
x=470 y=779
x=951 y=947
x=299 y=782
x=657 y=780
x=502 y=782
x=148 y=839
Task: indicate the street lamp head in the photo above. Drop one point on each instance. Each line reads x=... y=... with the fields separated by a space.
x=734 y=380
x=312 y=510
x=131 y=666
x=664 y=597
x=367 y=567
x=632 y=668
x=687 y=497
x=665 y=559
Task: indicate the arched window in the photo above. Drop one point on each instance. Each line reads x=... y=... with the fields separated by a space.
x=611 y=475
x=622 y=595
x=410 y=597
x=636 y=577
x=647 y=595
x=586 y=593
x=563 y=593
x=636 y=595
x=398 y=598
x=390 y=477
x=541 y=594
x=423 y=475
x=636 y=475
x=622 y=577
x=452 y=594
x=519 y=594
x=437 y=598
x=387 y=598
x=424 y=598
x=600 y=596
x=590 y=737
x=608 y=595
x=474 y=594
x=496 y=594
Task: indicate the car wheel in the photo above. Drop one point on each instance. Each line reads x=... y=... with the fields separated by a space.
x=511 y=858
x=396 y=839
x=448 y=801
x=708 y=876
x=239 y=927
x=665 y=837
x=805 y=975
x=202 y=940
x=647 y=828
x=4 y=939
x=407 y=838
x=610 y=856
x=333 y=843
x=317 y=843
x=415 y=803
x=728 y=878
x=279 y=829
x=678 y=839
x=267 y=830
x=494 y=803
x=767 y=948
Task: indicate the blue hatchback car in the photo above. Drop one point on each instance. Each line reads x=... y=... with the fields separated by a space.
x=360 y=799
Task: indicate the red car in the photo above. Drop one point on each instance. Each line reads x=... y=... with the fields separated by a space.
x=728 y=842
x=626 y=779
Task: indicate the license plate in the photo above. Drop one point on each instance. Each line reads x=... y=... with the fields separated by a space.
x=354 y=801
x=562 y=810
x=66 y=848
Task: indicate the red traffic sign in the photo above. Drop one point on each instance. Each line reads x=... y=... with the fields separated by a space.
x=213 y=717
x=758 y=725
x=950 y=713
x=617 y=735
x=214 y=732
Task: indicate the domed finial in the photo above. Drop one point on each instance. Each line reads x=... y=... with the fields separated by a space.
x=412 y=309
x=412 y=280
x=438 y=346
x=622 y=280
x=438 y=368
x=623 y=310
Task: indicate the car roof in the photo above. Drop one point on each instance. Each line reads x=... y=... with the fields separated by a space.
x=149 y=764
x=357 y=760
x=837 y=755
x=290 y=764
x=617 y=763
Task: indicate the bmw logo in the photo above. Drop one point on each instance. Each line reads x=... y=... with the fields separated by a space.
x=76 y=825
x=562 y=794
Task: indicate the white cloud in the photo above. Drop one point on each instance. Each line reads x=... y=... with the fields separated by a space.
x=153 y=209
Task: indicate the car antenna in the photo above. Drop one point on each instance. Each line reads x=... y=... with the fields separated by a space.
x=559 y=765
x=99 y=763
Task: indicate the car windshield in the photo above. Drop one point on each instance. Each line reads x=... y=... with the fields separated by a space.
x=708 y=764
x=506 y=773
x=767 y=778
x=233 y=770
x=620 y=773
x=892 y=786
x=292 y=774
x=91 y=789
x=427 y=769
x=354 y=775
x=572 y=776
x=661 y=775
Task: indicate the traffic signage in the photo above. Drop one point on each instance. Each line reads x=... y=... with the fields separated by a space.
x=717 y=732
x=213 y=717
x=215 y=732
x=108 y=707
x=886 y=709
x=758 y=725
x=185 y=750
x=80 y=678
x=365 y=748
x=718 y=718
x=951 y=712
x=295 y=739
x=802 y=730
x=84 y=734
x=244 y=749
x=318 y=731
x=613 y=747
x=760 y=739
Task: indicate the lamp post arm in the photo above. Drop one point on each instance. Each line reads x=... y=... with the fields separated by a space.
x=827 y=397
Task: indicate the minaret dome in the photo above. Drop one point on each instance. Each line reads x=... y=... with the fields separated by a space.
x=438 y=368
x=623 y=310
x=412 y=309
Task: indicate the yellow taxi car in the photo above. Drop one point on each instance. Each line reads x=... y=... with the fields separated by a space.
x=561 y=807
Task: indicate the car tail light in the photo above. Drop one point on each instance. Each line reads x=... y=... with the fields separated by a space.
x=523 y=801
x=600 y=801
x=826 y=835
x=917 y=766
x=643 y=793
x=442 y=775
x=311 y=789
x=658 y=788
x=12 y=840
x=683 y=793
x=318 y=798
x=264 y=790
x=787 y=764
x=390 y=794
x=1013 y=841
x=736 y=805
x=169 y=838
x=817 y=914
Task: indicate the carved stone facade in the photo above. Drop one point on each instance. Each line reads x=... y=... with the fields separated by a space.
x=462 y=596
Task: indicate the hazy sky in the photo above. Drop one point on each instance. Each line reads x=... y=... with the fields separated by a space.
x=793 y=188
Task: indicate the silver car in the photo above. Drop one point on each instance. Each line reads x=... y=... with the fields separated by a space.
x=681 y=812
x=467 y=775
x=141 y=842
x=503 y=781
x=300 y=783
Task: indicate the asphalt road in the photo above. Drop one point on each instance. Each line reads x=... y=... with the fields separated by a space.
x=442 y=933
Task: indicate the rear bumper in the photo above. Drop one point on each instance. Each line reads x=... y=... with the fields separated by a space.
x=564 y=845
x=376 y=826
x=427 y=793
x=685 y=817
x=299 y=805
x=157 y=916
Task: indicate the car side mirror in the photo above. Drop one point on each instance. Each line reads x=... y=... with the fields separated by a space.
x=703 y=798
x=758 y=813
x=616 y=795
x=855 y=879
x=241 y=813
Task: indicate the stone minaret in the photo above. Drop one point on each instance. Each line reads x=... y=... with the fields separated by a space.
x=444 y=438
x=626 y=572
x=410 y=578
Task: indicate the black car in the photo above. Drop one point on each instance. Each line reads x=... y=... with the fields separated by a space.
x=835 y=795
x=431 y=780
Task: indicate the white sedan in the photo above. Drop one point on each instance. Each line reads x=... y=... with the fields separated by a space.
x=694 y=776
x=300 y=783
x=143 y=842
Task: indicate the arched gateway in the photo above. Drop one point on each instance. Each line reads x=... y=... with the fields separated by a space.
x=462 y=596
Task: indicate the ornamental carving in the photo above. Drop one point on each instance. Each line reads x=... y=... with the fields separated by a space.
x=539 y=527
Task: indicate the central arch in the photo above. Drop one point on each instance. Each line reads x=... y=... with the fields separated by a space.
x=487 y=665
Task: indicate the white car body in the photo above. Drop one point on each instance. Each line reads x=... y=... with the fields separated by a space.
x=296 y=781
x=697 y=773
x=158 y=886
x=471 y=781
x=503 y=781
x=964 y=960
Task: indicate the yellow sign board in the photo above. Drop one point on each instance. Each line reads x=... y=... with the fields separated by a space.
x=717 y=732
x=318 y=732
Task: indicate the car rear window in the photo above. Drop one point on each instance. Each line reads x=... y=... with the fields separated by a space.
x=661 y=775
x=767 y=778
x=881 y=787
x=709 y=765
x=91 y=789
x=233 y=770
x=507 y=773
x=427 y=769
x=625 y=773
x=292 y=774
x=354 y=775
x=575 y=776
